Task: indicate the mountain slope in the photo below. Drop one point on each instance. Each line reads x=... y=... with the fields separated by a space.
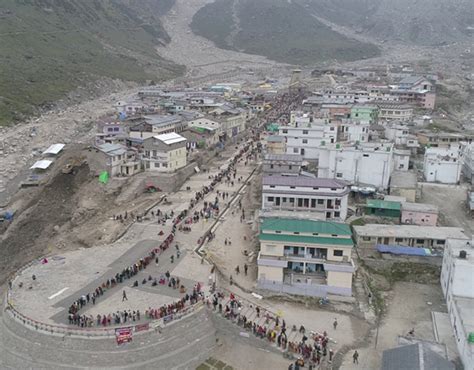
x=50 y=47
x=281 y=30
x=422 y=22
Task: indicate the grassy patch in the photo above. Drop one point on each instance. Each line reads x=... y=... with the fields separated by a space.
x=49 y=47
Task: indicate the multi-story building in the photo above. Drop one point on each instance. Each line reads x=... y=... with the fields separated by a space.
x=365 y=113
x=395 y=112
x=364 y=164
x=443 y=165
x=467 y=150
x=327 y=197
x=306 y=140
x=457 y=274
x=275 y=144
x=353 y=131
x=305 y=257
x=157 y=124
x=164 y=153
x=441 y=139
x=280 y=164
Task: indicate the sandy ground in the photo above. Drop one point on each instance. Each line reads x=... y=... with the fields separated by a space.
x=451 y=201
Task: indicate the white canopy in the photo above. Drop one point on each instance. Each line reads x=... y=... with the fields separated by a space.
x=42 y=165
x=54 y=149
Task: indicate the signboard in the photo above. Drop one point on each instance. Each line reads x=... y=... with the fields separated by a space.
x=142 y=327
x=123 y=335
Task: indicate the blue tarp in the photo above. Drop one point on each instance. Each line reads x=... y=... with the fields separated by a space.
x=399 y=249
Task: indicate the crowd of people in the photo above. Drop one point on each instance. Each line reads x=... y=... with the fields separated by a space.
x=208 y=209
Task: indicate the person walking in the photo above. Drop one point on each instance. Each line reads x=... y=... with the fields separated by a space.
x=124 y=296
x=355 y=358
x=245 y=269
x=334 y=324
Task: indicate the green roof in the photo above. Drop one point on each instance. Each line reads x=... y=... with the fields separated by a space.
x=383 y=204
x=305 y=226
x=306 y=239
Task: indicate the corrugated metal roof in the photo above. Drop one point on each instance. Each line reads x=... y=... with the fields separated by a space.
x=399 y=249
x=303 y=182
x=414 y=357
x=42 y=165
x=383 y=204
x=54 y=149
x=305 y=239
x=171 y=138
x=305 y=226
x=284 y=157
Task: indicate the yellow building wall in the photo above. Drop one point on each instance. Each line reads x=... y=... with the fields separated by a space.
x=270 y=273
x=339 y=279
x=272 y=249
x=177 y=159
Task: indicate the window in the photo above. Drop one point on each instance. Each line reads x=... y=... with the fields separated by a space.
x=157 y=165
x=331 y=128
x=305 y=141
x=271 y=166
x=278 y=232
x=295 y=150
x=320 y=201
x=420 y=241
x=398 y=240
x=366 y=238
x=339 y=174
x=365 y=155
x=283 y=200
x=337 y=202
x=305 y=132
x=337 y=214
x=315 y=188
x=333 y=189
x=292 y=187
x=338 y=253
x=292 y=200
x=272 y=186
x=285 y=131
x=440 y=242
x=271 y=199
x=290 y=167
x=296 y=232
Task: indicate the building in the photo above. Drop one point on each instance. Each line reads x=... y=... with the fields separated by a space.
x=383 y=208
x=275 y=144
x=467 y=150
x=397 y=132
x=395 y=112
x=327 y=197
x=356 y=132
x=457 y=274
x=401 y=159
x=442 y=165
x=232 y=120
x=419 y=214
x=164 y=153
x=416 y=356
x=308 y=139
x=115 y=159
x=363 y=164
x=157 y=124
x=200 y=138
x=404 y=184
x=110 y=130
x=365 y=113
x=370 y=235
x=441 y=139
x=282 y=164
x=305 y=257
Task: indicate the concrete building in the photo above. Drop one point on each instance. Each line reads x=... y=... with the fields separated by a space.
x=164 y=153
x=200 y=138
x=467 y=150
x=365 y=113
x=115 y=159
x=404 y=184
x=419 y=214
x=397 y=132
x=364 y=164
x=232 y=120
x=368 y=236
x=157 y=124
x=441 y=139
x=442 y=165
x=355 y=132
x=308 y=139
x=305 y=257
x=401 y=159
x=281 y=164
x=457 y=277
x=327 y=197
x=395 y=112
x=275 y=144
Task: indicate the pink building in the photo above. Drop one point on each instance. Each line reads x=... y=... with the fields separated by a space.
x=419 y=214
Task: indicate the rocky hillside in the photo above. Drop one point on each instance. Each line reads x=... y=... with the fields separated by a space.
x=50 y=47
x=281 y=30
x=422 y=22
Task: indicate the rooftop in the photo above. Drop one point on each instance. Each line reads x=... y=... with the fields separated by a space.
x=303 y=182
x=275 y=139
x=410 y=231
x=162 y=120
x=305 y=226
x=414 y=357
x=306 y=239
x=112 y=149
x=403 y=179
x=284 y=157
x=420 y=207
x=383 y=204
x=171 y=138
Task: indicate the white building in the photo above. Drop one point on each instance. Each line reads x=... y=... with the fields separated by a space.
x=327 y=197
x=306 y=140
x=395 y=112
x=443 y=165
x=397 y=133
x=353 y=131
x=457 y=283
x=467 y=150
x=364 y=164
x=401 y=159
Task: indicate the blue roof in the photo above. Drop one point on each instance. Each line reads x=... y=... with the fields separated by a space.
x=399 y=249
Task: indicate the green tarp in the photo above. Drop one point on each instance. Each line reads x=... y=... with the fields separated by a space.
x=104 y=177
